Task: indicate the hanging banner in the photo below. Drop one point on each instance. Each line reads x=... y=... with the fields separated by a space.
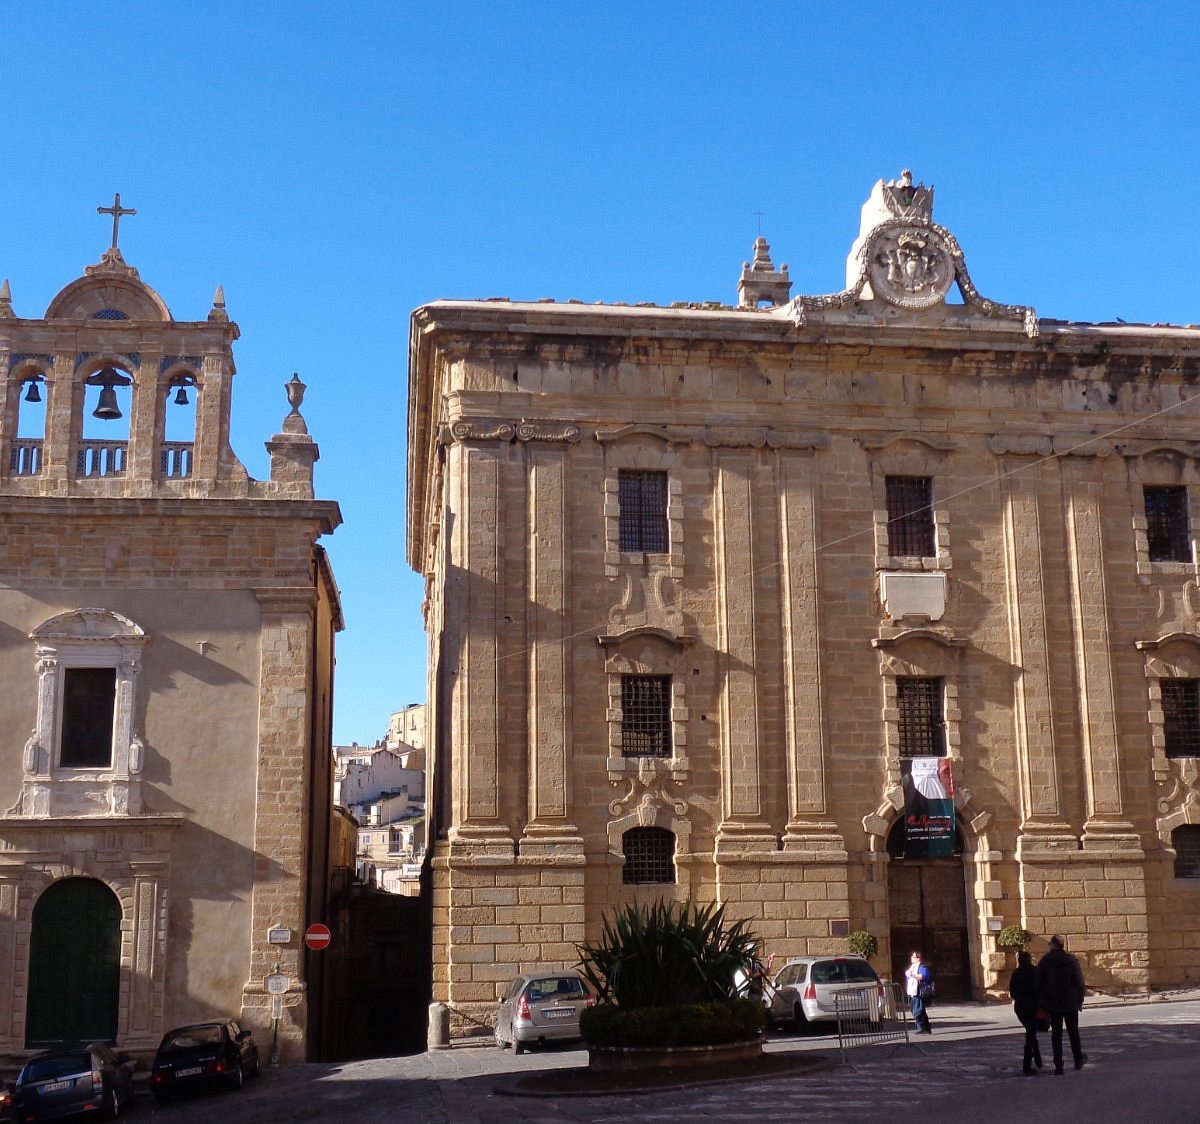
x=928 y=807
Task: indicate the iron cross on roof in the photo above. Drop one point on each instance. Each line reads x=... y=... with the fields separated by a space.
x=116 y=210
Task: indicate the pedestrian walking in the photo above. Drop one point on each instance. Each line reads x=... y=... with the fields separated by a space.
x=1060 y=990
x=918 y=986
x=1023 y=989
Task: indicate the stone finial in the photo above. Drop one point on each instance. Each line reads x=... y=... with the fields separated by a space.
x=762 y=282
x=5 y=299
x=293 y=452
x=218 y=309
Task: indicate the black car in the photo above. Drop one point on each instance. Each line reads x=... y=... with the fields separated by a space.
x=83 y=1080
x=203 y=1055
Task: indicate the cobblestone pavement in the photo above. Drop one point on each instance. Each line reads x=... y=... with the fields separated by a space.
x=971 y=1064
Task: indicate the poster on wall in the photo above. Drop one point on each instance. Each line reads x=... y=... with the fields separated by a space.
x=928 y=807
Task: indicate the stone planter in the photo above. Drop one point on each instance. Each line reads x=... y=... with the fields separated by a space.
x=640 y=1059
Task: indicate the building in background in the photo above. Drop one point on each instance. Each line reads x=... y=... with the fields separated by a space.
x=166 y=660
x=701 y=579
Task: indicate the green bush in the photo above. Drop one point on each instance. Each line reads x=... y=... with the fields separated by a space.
x=666 y=955
x=1013 y=937
x=695 y=1024
x=864 y=943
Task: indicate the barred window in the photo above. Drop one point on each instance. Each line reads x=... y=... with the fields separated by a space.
x=922 y=721
x=1167 y=535
x=910 y=516
x=649 y=855
x=1181 y=716
x=1186 y=841
x=642 y=497
x=646 y=715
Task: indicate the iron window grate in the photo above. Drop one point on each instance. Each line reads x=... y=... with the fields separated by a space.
x=1168 y=538
x=642 y=498
x=649 y=855
x=922 y=721
x=910 y=516
x=646 y=715
x=1181 y=716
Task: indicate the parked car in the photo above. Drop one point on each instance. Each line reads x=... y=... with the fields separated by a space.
x=58 y=1083
x=203 y=1056
x=541 y=1005
x=803 y=990
x=5 y=1102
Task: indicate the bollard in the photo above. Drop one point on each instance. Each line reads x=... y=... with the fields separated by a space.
x=439 y=1026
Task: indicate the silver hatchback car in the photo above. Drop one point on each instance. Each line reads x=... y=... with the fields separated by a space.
x=803 y=990
x=541 y=1005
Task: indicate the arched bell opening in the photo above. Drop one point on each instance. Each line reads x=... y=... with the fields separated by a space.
x=27 y=447
x=104 y=433
x=179 y=425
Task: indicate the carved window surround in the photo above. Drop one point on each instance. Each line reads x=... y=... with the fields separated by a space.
x=1157 y=464
x=76 y=639
x=922 y=653
x=909 y=454
x=1174 y=656
x=648 y=450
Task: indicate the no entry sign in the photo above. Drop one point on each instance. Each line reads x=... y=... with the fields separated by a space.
x=317 y=937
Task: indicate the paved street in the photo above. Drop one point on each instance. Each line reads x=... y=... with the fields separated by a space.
x=1142 y=1059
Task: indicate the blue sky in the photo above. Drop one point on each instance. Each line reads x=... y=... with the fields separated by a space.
x=336 y=166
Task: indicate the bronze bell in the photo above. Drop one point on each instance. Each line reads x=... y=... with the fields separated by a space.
x=181 y=398
x=33 y=394
x=107 y=408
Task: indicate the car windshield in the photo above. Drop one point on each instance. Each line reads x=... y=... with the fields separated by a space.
x=560 y=987
x=60 y=1066
x=191 y=1037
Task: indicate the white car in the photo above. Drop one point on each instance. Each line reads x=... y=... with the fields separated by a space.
x=803 y=990
x=541 y=1005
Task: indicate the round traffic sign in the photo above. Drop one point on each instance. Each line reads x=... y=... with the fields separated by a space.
x=317 y=936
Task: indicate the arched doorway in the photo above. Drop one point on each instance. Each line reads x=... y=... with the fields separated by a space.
x=74 y=965
x=927 y=910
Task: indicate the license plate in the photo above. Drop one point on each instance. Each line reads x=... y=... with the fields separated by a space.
x=191 y=1071
x=558 y=1013
x=57 y=1086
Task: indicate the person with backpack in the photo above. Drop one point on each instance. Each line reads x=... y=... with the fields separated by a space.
x=918 y=986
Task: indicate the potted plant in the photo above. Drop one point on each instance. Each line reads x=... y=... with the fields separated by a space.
x=864 y=943
x=1013 y=938
x=664 y=981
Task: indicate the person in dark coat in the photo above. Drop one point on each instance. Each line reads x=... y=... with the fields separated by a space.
x=1023 y=989
x=1060 y=990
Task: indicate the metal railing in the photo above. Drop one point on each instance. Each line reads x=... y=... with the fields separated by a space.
x=871 y=1014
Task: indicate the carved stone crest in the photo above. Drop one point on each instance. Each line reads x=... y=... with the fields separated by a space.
x=910 y=266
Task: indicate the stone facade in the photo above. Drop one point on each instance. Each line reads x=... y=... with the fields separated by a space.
x=785 y=625
x=196 y=804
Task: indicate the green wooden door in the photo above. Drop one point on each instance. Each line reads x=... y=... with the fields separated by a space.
x=74 y=965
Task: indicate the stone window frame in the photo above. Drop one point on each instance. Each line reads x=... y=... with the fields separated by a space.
x=1162 y=466
x=908 y=455
x=646 y=450
x=636 y=727
x=646 y=652
x=930 y=720
x=84 y=638
x=921 y=654
x=661 y=835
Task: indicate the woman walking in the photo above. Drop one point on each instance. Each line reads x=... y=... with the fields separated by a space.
x=917 y=986
x=1023 y=989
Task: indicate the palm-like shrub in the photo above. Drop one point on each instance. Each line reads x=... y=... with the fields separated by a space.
x=666 y=954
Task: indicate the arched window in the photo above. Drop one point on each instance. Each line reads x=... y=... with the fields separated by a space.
x=25 y=457
x=649 y=855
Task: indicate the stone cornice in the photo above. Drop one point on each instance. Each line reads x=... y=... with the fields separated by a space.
x=494 y=429
x=325 y=513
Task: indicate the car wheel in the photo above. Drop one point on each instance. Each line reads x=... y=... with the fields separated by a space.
x=239 y=1077
x=518 y=1046
x=114 y=1103
x=800 y=1020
